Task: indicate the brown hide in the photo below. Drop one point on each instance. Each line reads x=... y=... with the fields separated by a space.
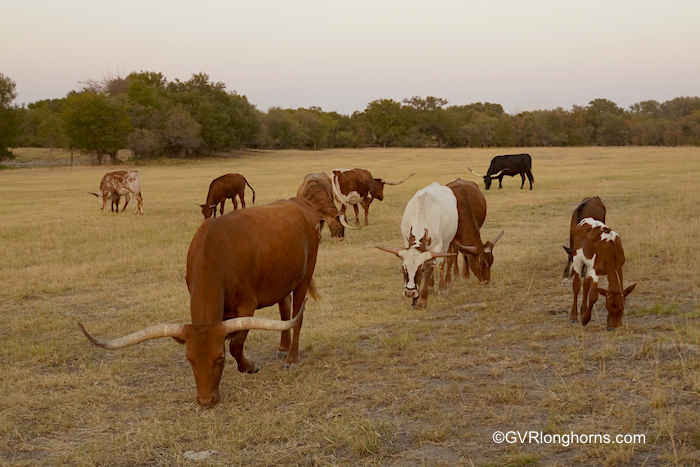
x=248 y=259
x=590 y=207
x=318 y=190
x=225 y=187
x=361 y=182
x=471 y=207
x=117 y=184
x=609 y=259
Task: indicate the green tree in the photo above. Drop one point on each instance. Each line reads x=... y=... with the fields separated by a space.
x=43 y=125
x=385 y=121
x=10 y=117
x=97 y=124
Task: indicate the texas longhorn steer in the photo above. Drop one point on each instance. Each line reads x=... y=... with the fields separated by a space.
x=471 y=206
x=317 y=189
x=428 y=227
x=226 y=186
x=589 y=207
x=512 y=165
x=248 y=259
x=120 y=183
x=598 y=255
x=356 y=186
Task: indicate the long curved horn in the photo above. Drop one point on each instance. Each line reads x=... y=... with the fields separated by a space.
x=474 y=250
x=250 y=322
x=498 y=174
x=389 y=250
x=342 y=220
x=492 y=243
x=478 y=175
x=153 y=332
x=399 y=182
x=95 y=194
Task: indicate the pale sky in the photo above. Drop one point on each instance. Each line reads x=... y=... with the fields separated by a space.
x=341 y=55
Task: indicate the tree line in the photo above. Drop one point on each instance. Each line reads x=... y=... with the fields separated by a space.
x=154 y=117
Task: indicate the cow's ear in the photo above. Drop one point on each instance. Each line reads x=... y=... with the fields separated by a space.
x=568 y=250
x=603 y=292
x=629 y=290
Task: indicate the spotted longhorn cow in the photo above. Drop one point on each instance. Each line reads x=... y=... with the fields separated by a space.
x=249 y=259
x=598 y=256
x=225 y=187
x=357 y=186
x=428 y=227
x=117 y=184
x=590 y=207
x=471 y=206
x=317 y=188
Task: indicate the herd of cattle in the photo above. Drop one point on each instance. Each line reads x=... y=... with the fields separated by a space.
x=265 y=255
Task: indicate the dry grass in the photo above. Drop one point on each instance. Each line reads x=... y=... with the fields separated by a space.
x=378 y=384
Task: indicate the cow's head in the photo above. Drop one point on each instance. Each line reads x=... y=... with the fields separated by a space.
x=487 y=178
x=204 y=345
x=337 y=226
x=377 y=186
x=480 y=258
x=615 y=304
x=207 y=210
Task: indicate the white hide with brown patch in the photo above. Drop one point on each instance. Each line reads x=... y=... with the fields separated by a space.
x=428 y=226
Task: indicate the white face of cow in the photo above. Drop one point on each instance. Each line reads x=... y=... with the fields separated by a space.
x=413 y=265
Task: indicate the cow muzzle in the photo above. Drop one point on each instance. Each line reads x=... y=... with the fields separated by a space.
x=410 y=293
x=208 y=401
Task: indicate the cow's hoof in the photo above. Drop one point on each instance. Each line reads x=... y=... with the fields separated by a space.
x=290 y=366
x=610 y=329
x=281 y=354
x=573 y=321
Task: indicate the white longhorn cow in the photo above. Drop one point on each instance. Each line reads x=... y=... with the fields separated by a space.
x=428 y=227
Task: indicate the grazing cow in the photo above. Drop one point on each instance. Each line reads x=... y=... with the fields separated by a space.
x=589 y=207
x=356 y=186
x=226 y=186
x=318 y=190
x=508 y=165
x=428 y=227
x=471 y=206
x=117 y=184
x=248 y=259
x=599 y=255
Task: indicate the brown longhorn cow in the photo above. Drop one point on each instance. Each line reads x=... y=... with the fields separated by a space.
x=589 y=207
x=227 y=186
x=357 y=186
x=117 y=184
x=598 y=255
x=471 y=207
x=317 y=188
x=240 y=262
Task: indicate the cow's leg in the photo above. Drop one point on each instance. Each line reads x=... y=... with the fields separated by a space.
x=126 y=203
x=223 y=202
x=442 y=279
x=500 y=182
x=530 y=178
x=365 y=205
x=522 y=175
x=238 y=339
x=242 y=196
x=584 y=300
x=426 y=286
x=299 y=296
x=592 y=298
x=235 y=203
x=357 y=213
x=139 y=204
x=450 y=261
x=285 y=312
x=573 y=316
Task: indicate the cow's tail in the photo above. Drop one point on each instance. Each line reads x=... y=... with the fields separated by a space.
x=314 y=293
x=251 y=189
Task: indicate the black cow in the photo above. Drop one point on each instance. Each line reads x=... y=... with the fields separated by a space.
x=508 y=165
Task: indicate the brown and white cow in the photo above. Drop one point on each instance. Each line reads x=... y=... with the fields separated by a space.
x=590 y=207
x=471 y=206
x=317 y=189
x=428 y=227
x=598 y=255
x=120 y=183
x=227 y=186
x=249 y=259
x=357 y=186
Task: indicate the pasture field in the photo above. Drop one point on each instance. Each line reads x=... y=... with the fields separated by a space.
x=378 y=383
